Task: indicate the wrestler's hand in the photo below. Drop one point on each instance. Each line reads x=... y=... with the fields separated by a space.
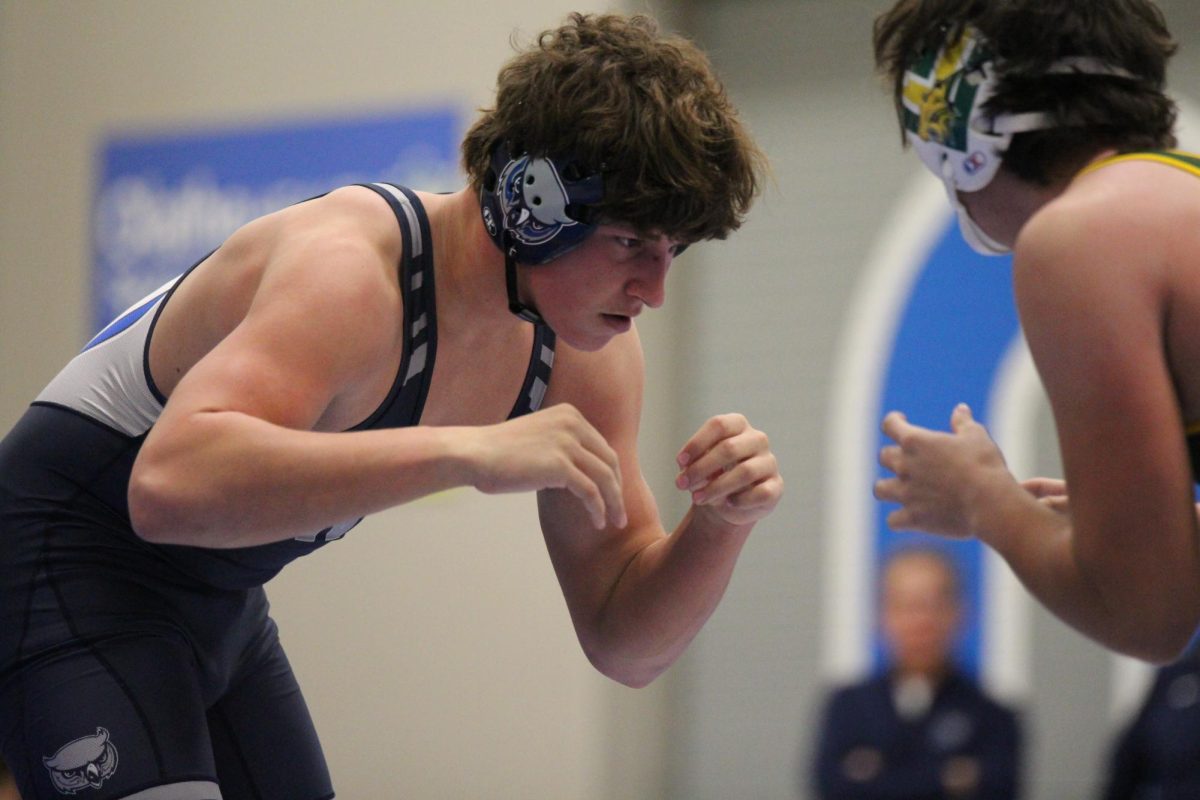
x=730 y=470
x=555 y=448
x=941 y=479
x=1050 y=492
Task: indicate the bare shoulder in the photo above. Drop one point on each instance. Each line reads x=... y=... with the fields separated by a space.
x=1113 y=229
x=310 y=312
x=606 y=384
x=338 y=251
x=352 y=217
x=326 y=264
x=1093 y=281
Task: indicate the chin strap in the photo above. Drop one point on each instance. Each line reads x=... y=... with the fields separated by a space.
x=972 y=234
x=510 y=279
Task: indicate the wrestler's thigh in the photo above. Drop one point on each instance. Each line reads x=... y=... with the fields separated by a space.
x=263 y=737
x=109 y=718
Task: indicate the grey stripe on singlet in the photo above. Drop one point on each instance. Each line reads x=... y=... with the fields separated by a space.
x=413 y=227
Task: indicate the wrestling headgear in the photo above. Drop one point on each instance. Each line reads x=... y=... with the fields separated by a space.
x=536 y=209
x=943 y=115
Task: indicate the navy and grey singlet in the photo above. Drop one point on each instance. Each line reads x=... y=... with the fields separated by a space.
x=139 y=671
x=91 y=420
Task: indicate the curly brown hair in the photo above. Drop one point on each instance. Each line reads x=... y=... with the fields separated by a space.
x=1092 y=112
x=645 y=109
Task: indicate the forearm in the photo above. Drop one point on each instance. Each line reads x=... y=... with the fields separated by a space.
x=225 y=479
x=664 y=596
x=1094 y=589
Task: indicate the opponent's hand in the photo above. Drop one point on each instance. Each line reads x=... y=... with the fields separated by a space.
x=555 y=448
x=730 y=470
x=939 y=477
x=1050 y=492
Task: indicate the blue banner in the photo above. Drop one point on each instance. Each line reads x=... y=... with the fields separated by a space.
x=164 y=200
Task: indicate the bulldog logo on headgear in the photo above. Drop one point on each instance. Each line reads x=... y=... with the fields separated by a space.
x=86 y=762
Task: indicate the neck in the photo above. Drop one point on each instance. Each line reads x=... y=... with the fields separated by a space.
x=932 y=674
x=1025 y=199
x=1103 y=154
x=1004 y=206
x=470 y=268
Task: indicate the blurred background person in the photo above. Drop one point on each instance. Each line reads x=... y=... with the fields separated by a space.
x=1157 y=754
x=921 y=728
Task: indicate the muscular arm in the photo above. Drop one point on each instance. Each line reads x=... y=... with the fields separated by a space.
x=249 y=448
x=238 y=456
x=1094 y=289
x=637 y=596
x=1094 y=293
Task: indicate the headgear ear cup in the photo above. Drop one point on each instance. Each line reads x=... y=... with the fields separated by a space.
x=544 y=202
x=536 y=209
x=944 y=98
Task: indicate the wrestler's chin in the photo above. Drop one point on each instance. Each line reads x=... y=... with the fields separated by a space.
x=602 y=330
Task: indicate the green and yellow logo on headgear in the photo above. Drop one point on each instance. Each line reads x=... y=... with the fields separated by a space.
x=940 y=89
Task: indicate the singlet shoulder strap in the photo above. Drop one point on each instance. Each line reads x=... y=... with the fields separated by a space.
x=406 y=399
x=537 y=376
x=1188 y=162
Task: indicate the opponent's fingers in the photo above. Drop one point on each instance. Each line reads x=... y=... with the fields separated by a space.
x=715 y=429
x=901 y=520
x=1045 y=487
x=895 y=425
x=888 y=490
x=1058 y=503
x=961 y=417
x=891 y=457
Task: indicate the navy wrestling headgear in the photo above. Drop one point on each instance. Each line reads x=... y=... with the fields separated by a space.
x=536 y=209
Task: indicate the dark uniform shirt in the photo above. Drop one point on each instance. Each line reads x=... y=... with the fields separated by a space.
x=1157 y=756
x=869 y=750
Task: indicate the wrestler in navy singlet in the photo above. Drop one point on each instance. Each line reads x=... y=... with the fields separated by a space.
x=135 y=670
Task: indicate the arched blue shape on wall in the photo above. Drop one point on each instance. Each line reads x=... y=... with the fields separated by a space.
x=952 y=333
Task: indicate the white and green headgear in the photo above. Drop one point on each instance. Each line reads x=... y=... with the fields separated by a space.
x=943 y=98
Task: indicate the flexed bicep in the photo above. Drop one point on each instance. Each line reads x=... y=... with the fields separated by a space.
x=313 y=350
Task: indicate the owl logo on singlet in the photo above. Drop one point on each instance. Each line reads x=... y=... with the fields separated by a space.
x=86 y=762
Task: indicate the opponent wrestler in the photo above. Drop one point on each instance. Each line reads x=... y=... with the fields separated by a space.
x=1046 y=120
x=349 y=354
